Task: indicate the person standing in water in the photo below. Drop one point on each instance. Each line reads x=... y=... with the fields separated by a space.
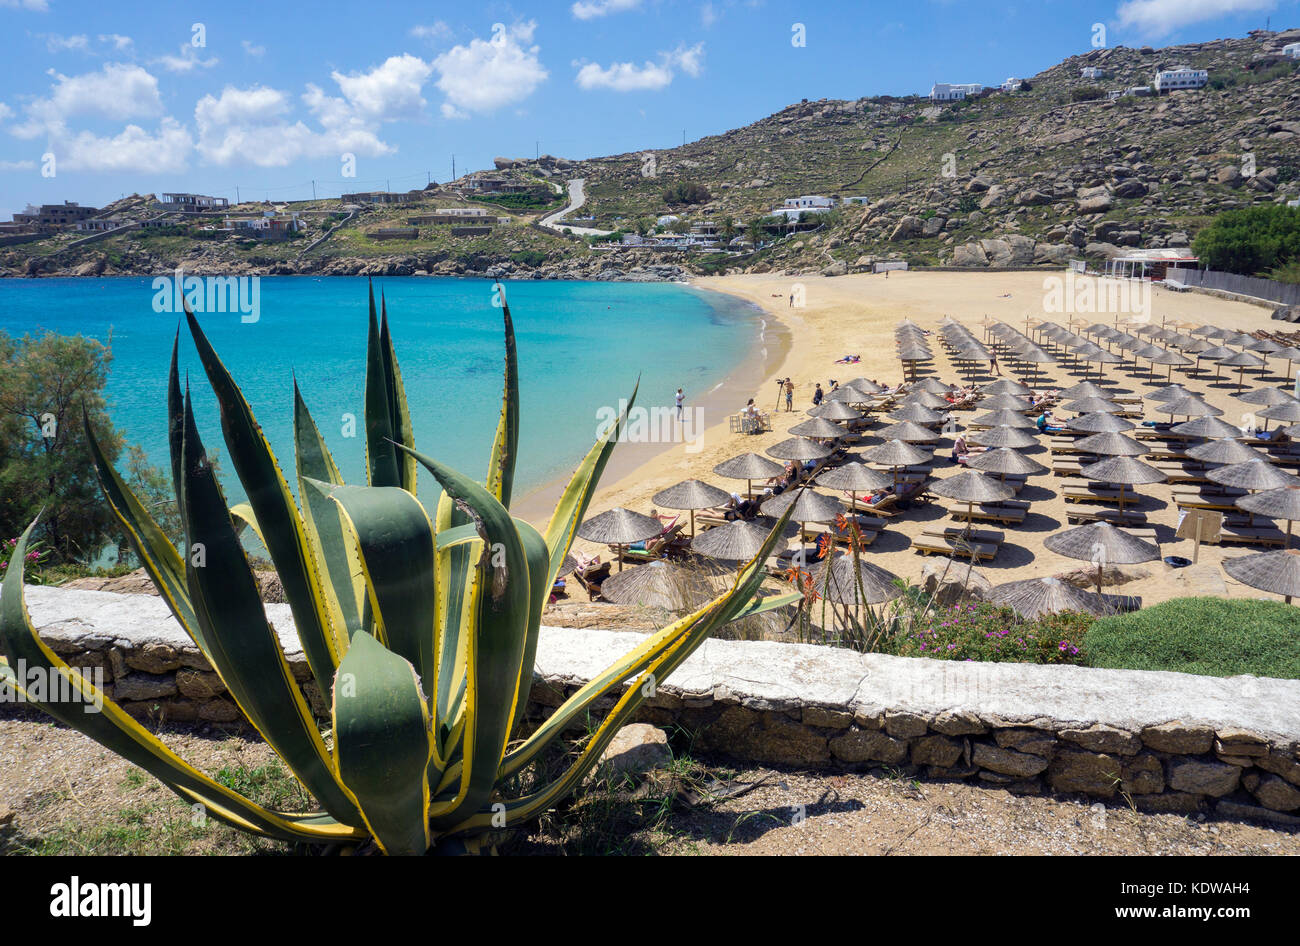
x=679 y=397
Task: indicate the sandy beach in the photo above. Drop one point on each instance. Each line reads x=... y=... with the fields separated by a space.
x=857 y=314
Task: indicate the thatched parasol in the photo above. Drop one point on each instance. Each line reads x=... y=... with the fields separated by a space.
x=1225 y=450
x=1003 y=436
x=1123 y=471
x=1006 y=386
x=930 y=386
x=1191 y=406
x=1100 y=424
x=619 y=526
x=661 y=585
x=1005 y=402
x=1286 y=411
x=1005 y=460
x=1290 y=353
x=1102 y=544
x=853 y=477
x=835 y=410
x=845 y=581
x=848 y=394
x=971 y=487
x=568 y=565
x=926 y=399
x=865 y=385
x=1211 y=428
x=1266 y=396
x=908 y=432
x=1168 y=357
x=818 y=427
x=1084 y=389
x=1039 y=596
x=1110 y=444
x=798 y=448
x=1275 y=572
x=1092 y=405
x=692 y=495
x=916 y=414
x=1241 y=361
x=741 y=540
x=1254 y=474
x=1170 y=392
x=749 y=467
x=808 y=506
x=1280 y=503
x=1003 y=419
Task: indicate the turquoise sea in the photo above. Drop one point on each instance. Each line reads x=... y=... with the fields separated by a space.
x=581 y=348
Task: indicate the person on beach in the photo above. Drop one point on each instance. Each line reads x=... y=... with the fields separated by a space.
x=1046 y=423
x=818 y=395
x=993 y=363
x=789 y=395
x=679 y=397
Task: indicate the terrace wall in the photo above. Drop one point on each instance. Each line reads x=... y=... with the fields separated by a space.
x=1164 y=742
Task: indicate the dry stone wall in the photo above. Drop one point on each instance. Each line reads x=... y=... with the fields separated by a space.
x=1163 y=742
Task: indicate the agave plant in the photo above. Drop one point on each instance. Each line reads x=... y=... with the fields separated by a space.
x=424 y=626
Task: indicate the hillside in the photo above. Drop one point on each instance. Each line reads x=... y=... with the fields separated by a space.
x=1002 y=179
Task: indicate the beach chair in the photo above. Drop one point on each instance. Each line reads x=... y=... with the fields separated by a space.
x=1260 y=535
x=977 y=545
x=591 y=577
x=1084 y=512
x=1090 y=493
x=666 y=543
x=1009 y=512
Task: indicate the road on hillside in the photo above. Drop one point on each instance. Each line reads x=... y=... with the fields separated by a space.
x=576 y=199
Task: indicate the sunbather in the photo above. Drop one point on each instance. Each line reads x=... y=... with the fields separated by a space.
x=1046 y=424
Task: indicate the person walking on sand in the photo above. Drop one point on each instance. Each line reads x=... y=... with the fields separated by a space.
x=789 y=395
x=679 y=397
x=993 y=363
x=818 y=395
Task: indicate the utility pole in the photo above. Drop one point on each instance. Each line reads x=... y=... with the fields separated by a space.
x=313 y=188
x=453 y=167
x=683 y=137
x=237 y=200
x=537 y=150
x=388 y=185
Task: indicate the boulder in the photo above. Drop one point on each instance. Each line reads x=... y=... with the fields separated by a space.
x=908 y=227
x=1007 y=761
x=1033 y=197
x=635 y=750
x=969 y=254
x=1130 y=188
x=952 y=582
x=1095 y=205
x=1276 y=794
x=1203 y=778
x=1092 y=773
x=1229 y=174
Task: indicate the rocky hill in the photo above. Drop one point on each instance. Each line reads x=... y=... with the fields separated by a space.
x=1052 y=172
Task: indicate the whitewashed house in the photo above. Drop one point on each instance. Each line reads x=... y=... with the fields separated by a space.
x=950 y=92
x=1012 y=84
x=811 y=202
x=1180 y=77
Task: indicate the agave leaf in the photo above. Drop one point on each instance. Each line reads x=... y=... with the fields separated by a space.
x=505 y=447
x=157 y=554
x=381 y=457
x=175 y=418
x=495 y=648
x=572 y=507
x=343 y=587
x=382 y=743
x=399 y=411
x=90 y=712
x=275 y=510
x=395 y=539
x=539 y=566
x=454 y=579
x=244 y=648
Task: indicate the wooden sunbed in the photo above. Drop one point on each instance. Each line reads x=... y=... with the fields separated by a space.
x=1096 y=494
x=1252 y=535
x=591 y=579
x=1008 y=512
x=1092 y=512
x=1182 y=472
x=979 y=545
x=671 y=540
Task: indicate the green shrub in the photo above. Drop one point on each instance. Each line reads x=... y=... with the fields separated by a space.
x=1086 y=93
x=1209 y=636
x=988 y=632
x=1250 y=241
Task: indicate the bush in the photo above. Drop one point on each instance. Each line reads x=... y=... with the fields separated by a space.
x=1207 y=636
x=1250 y=241
x=988 y=632
x=1086 y=93
x=684 y=193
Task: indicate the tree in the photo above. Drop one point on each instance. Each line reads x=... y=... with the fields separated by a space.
x=45 y=460
x=1251 y=241
x=684 y=193
x=727 y=228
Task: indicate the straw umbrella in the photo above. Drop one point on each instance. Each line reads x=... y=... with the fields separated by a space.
x=809 y=506
x=866 y=385
x=741 y=540
x=1084 y=389
x=798 y=448
x=916 y=414
x=1266 y=396
x=749 y=467
x=1170 y=392
x=1123 y=471
x=930 y=386
x=926 y=399
x=971 y=487
x=1092 y=405
x=1006 y=386
x=835 y=410
x=1036 y=356
x=854 y=580
x=908 y=432
x=1005 y=402
x=819 y=428
x=660 y=585
x=1241 y=361
x=1102 y=544
x=1003 y=436
x=1224 y=451
x=1217 y=354
x=1285 y=411
x=1003 y=418
x=1110 y=444
x=1290 y=353
x=620 y=527
x=1253 y=475
x=895 y=454
x=1004 y=460
x=692 y=495
x=1100 y=423
x=1275 y=572
x=854 y=477
x=850 y=395
x=1211 y=428
x=1038 y=596
x=1190 y=407
x=1280 y=503
x=1165 y=356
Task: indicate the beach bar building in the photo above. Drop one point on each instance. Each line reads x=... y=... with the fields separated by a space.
x=193 y=203
x=1150 y=264
x=1180 y=77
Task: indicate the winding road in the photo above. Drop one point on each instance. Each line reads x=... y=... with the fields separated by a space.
x=576 y=199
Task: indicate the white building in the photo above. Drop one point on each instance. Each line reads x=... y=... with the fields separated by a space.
x=949 y=92
x=100 y=224
x=1012 y=84
x=810 y=202
x=667 y=220
x=193 y=203
x=1180 y=77
x=1292 y=50
x=1092 y=72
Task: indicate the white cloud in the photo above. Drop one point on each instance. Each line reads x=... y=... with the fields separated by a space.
x=5 y=111
x=1161 y=17
x=189 y=60
x=56 y=43
x=591 y=9
x=709 y=15
x=17 y=165
x=652 y=76
x=389 y=91
x=431 y=31
x=38 y=6
x=119 y=42
x=488 y=74
x=133 y=149
x=117 y=91
x=257 y=52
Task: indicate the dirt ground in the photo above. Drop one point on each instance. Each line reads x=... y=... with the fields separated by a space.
x=82 y=799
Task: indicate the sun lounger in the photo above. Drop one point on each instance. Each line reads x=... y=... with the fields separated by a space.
x=1008 y=512
x=956 y=542
x=591 y=578
x=1082 y=512
x=668 y=542
x=1096 y=494
x=1182 y=472
x=1252 y=535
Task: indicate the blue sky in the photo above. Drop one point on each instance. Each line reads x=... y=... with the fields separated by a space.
x=267 y=96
